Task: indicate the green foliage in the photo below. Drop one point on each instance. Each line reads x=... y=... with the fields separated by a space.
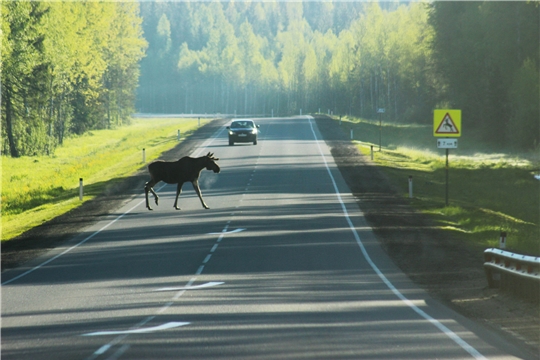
x=349 y=58
x=24 y=77
x=524 y=125
x=67 y=67
x=488 y=192
x=486 y=196
x=482 y=51
x=257 y=57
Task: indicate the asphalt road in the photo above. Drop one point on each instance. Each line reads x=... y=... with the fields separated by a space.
x=282 y=266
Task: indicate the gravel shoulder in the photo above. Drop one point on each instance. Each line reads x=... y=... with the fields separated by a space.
x=450 y=270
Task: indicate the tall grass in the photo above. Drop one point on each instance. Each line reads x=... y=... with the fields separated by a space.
x=488 y=192
x=37 y=189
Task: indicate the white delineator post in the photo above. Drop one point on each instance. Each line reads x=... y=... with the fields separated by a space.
x=81 y=192
x=410 y=187
x=502 y=240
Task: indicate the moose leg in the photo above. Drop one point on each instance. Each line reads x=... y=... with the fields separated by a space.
x=147 y=188
x=198 y=191
x=178 y=192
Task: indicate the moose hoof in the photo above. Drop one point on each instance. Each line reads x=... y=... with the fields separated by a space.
x=177 y=208
x=149 y=208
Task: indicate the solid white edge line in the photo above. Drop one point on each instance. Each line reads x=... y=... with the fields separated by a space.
x=462 y=343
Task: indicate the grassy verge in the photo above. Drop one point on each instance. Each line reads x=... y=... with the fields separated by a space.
x=37 y=189
x=488 y=193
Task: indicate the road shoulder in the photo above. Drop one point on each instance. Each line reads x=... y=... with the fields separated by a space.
x=444 y=265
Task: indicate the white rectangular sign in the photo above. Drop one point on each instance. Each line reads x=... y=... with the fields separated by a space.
x=447 y=143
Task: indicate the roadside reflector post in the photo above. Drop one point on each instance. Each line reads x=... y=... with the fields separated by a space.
x=410 y=187
x=81 y=192
x=143 y=155
x=200 y=120
x=502 y=240
x=178 y=135
x=352 y=134
x=340 y=120
x=371 y=152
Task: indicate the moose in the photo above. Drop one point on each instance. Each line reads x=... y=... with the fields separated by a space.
x=179 y=172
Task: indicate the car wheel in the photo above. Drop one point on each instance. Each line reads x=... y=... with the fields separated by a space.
x=231 y=143
x=255 y=142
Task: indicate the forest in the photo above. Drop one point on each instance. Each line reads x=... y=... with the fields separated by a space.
x=349 y=57
x=69 y=67
x=66 y=68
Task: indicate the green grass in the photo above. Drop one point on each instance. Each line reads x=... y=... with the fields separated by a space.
x=488 y=193
x=37 y=189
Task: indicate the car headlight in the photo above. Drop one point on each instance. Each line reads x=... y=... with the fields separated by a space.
x=231 y=132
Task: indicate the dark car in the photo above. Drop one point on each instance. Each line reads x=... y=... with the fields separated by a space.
x=243 y=130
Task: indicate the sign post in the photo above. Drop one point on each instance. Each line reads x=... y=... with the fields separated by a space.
x=447 y=128
x=446 y=197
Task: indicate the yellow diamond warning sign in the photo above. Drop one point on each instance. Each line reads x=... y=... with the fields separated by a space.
x=446 y=123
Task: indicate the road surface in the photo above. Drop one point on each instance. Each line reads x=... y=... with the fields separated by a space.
x=282 y=266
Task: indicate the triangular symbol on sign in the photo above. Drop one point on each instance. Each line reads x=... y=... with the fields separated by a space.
x=447 y=126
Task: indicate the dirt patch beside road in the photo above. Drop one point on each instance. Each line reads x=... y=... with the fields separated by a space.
x=447 y=267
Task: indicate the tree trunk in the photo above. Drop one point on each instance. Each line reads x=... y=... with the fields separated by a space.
x=9 y=125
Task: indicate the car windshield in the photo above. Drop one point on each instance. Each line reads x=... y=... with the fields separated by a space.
x=242 y=124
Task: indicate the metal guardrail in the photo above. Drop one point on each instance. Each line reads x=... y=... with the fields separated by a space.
x=515 y=273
